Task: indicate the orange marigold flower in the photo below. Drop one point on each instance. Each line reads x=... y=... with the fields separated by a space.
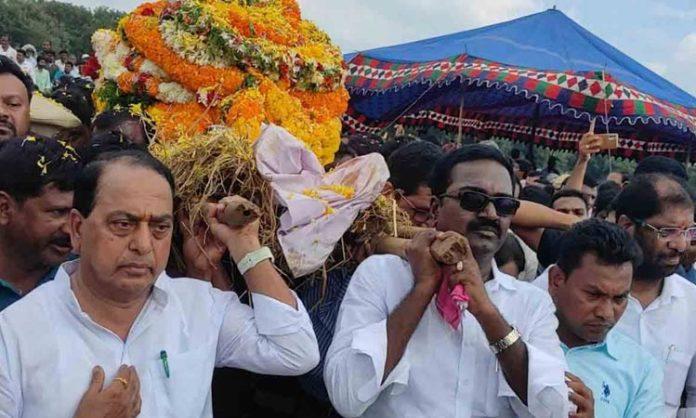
x=324 y=105
x=178 y=120
x=143 y=33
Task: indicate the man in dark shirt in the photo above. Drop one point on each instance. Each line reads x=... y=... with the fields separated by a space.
x=36 y=192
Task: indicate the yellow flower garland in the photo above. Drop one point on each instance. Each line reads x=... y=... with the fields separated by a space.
x=224 y=94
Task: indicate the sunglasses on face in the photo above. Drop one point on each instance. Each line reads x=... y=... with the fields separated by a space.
x=474 y=201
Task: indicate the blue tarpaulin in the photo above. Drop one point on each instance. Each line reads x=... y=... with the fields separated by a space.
x=548 y=40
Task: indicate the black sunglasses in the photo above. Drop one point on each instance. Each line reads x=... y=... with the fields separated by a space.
x=474 y=201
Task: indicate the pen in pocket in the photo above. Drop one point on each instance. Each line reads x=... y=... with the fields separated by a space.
x=165 y=363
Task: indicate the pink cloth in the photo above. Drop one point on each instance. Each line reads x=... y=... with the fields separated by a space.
x=313 y=223
x=451 y=303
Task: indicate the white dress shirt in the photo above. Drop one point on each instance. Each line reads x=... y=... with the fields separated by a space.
x=48 y=347
x=443 y=373
x=665 y=329
x=9 y=53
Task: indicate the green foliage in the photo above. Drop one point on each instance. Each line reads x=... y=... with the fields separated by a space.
x=68 y=26
x=600 y=165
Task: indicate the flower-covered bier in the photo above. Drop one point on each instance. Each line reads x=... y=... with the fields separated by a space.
x=196 y=63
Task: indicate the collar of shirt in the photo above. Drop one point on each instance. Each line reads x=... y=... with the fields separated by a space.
x=159 y=295
x=609 y=346
x=671 y=289
x=9 y=294
x=500 y=280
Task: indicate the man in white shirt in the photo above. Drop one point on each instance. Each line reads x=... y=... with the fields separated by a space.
x=659 y=213
x=6 y=49
x=393 y=354
x=115 y=306
x=25 y=64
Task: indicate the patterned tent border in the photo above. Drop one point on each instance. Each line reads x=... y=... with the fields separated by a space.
x=545 y=136
x=576 y=94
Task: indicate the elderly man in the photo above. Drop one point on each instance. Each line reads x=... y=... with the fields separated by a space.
x=115 y=306
x=37 y=177
x=394 y=354
x=590 y=286
x=15 y=97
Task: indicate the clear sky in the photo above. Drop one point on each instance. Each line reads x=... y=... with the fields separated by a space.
x=660 y=34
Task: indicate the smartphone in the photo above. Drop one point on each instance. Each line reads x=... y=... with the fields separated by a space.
x=608 y=141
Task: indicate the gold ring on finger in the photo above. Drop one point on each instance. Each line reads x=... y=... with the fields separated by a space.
x=122 y=380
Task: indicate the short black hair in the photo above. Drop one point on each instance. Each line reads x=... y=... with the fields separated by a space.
x=363 y=144
x=569 y=193
x=345 y=150
x=77 y=98
x=442 y=173
x=62 y=51
x=110 y=120
x=106 y=142
x=28 y=165
x=388 y=148
x=511 y=250
x=536 y=194
x=8 y=66
x=606 y=193
x=410 y=165
x=661 y=165
x=524 y=165
x=611 y=244
x=88 y=181
x=639 y=200
x=589 y=181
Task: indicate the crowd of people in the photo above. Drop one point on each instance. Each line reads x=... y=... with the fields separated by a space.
x=578 y=291
x=46 y=68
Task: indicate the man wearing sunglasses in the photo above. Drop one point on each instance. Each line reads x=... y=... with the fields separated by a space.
x=659 y=213
x=395 y=355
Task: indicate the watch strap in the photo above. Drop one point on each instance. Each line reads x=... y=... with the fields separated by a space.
x=253 y=258
x=505 y=342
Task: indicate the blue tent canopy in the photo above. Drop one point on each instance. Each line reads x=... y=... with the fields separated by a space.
x=549 y=40
x=539 y=78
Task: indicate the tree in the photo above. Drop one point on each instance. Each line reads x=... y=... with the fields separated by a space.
x=68 y=26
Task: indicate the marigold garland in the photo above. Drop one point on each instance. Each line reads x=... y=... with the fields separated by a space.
x=143 y=33
x=268 y=66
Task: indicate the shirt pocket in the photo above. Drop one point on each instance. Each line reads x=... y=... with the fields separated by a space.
x=676 y=368
x=186 y=391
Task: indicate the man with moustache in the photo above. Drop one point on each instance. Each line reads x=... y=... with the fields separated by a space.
x=36 y=191
x=395 y=355
x=590 y=287
x=658 y=212
x=114 y=317
x=15 y=99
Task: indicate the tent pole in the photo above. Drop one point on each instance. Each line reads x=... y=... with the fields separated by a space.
x=688 y=154
x=530 y=144
x=461 y=115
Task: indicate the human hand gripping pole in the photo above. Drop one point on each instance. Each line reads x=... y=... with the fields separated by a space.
x=235 y=222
